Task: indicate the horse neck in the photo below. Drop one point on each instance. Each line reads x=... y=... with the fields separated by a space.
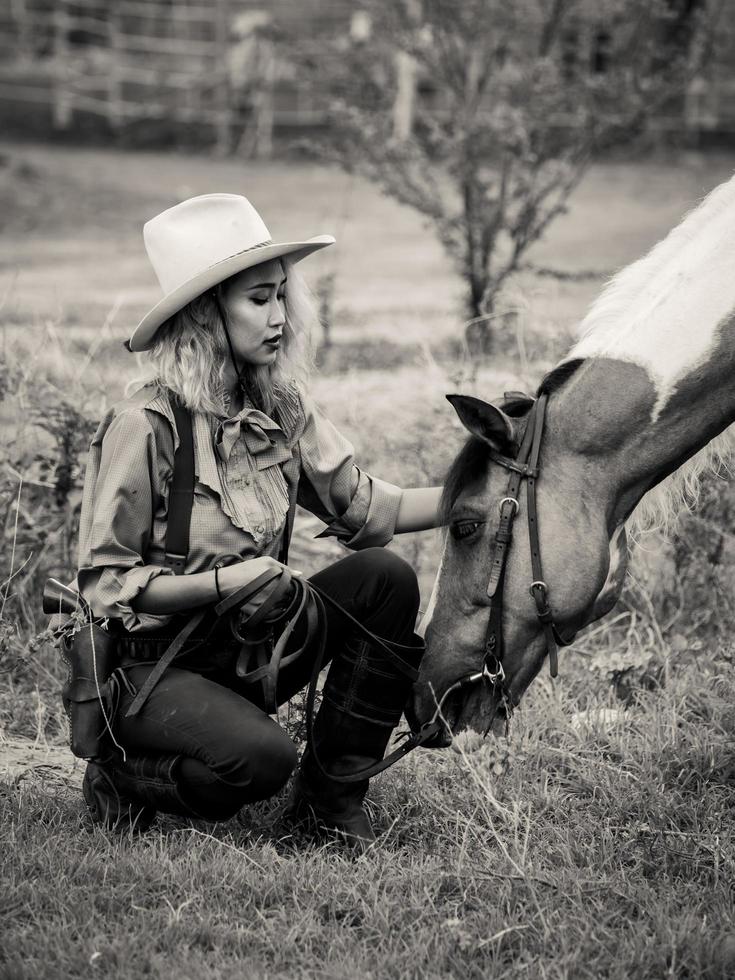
x=610 y=424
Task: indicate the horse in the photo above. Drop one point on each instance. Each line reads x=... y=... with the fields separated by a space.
x=623 y=428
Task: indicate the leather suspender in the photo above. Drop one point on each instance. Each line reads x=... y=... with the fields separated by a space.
x=181 y=495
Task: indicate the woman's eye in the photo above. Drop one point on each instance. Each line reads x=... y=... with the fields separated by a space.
x=464 y=529
x=258 y=300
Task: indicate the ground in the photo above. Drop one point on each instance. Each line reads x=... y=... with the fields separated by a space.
x=597 y=841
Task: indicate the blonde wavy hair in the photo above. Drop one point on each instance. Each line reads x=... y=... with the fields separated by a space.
x=190 y=352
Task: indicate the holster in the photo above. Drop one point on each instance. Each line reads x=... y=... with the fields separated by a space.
x=91 y=657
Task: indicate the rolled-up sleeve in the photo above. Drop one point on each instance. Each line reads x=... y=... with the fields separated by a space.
x=116 y=520
x=359 y=509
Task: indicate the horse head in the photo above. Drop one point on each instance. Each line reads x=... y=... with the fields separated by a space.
x=584 y=561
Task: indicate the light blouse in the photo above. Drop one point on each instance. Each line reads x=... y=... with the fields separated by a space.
x=249 y=471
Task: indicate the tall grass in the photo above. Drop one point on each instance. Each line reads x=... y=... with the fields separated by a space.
x=597 y=841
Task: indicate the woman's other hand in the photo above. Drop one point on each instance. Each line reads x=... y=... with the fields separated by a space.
x=234 y=577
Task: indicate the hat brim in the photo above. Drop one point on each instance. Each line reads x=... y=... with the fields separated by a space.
x=144 y=333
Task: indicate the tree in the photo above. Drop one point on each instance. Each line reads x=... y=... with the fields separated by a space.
x=483 y=115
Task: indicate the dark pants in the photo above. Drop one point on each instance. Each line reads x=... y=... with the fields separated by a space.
x=233 y=752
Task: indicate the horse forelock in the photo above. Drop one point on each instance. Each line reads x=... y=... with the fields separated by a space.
x=468 y=466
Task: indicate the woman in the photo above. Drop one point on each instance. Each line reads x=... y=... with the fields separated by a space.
x=228 y=341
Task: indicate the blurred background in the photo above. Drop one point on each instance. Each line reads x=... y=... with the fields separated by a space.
x=484 y=166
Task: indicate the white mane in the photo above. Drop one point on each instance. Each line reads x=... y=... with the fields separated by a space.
x=663 y=313
x=660 y=507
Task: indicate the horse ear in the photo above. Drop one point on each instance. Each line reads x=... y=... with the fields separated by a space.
x=485 y=421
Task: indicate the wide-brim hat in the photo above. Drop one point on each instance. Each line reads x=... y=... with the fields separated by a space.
x=201 y=242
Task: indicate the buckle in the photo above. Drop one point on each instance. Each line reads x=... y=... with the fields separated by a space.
x=510 y=500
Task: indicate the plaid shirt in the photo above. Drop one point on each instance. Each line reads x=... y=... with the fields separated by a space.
x=249 y=470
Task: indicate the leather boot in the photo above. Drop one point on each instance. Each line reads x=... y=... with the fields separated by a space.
x=126 y=794
x=362 y=702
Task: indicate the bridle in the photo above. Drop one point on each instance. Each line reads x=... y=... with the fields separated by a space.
x=525 y=466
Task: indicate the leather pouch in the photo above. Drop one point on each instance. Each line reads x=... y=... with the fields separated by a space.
x=91 y=656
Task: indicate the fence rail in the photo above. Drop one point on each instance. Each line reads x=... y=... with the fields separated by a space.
x=127 y=60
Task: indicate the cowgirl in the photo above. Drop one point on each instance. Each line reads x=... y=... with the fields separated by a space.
x=229 y=340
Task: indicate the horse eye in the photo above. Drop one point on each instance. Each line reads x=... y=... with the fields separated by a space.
x=464 y=529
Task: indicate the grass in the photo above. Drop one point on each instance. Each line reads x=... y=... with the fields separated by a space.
x=569 y=852
x=596 y=842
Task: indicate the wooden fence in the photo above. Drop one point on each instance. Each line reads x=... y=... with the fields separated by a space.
x=211 y=64
x=183 y=61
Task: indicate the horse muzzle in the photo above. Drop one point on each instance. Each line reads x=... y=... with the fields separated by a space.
x=475 y=701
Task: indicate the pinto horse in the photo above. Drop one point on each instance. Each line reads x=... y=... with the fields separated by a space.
x=635 y=413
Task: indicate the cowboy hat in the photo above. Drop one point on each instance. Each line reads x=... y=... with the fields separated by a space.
x=202 y=241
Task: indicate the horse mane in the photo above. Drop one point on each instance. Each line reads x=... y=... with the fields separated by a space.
x=661 y=507
x=609 y=318
x=559 y=376
x=617 y=299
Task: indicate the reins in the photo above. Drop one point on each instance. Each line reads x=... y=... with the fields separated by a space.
x=305 y=607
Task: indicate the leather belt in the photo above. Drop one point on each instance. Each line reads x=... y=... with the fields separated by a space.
x=147 y=648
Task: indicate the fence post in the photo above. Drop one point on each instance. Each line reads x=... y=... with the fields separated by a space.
x=406 y=71
x=19 y=15
x=403 y=107
x=62 y=98
x=264 y=108
x=114 y=80
x=223 y=95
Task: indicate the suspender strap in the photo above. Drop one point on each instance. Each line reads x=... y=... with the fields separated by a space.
x=181 y=494
x=287 y=529
x=290 y=516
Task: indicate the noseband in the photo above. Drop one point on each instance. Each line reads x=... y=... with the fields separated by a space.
x=525 y=466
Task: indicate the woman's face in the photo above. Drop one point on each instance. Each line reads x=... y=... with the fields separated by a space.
x=254 y=304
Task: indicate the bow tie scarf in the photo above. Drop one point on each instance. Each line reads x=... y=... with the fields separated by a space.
x=250 y=441
x=263 y=438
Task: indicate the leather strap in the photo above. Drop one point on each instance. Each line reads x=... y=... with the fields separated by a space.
x=287 y=530
x=524 y=466
x=413 y=740
x=539 y=590
x=309 y=603
x=164 y=663
x=181 y=494
x=509 y=506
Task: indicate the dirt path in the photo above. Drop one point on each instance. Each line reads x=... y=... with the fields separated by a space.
x=23 y=758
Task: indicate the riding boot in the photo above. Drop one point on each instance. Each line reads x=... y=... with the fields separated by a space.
x=126 y=794
x=362 y=702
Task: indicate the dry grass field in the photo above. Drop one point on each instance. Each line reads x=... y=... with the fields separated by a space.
x=597 y=841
